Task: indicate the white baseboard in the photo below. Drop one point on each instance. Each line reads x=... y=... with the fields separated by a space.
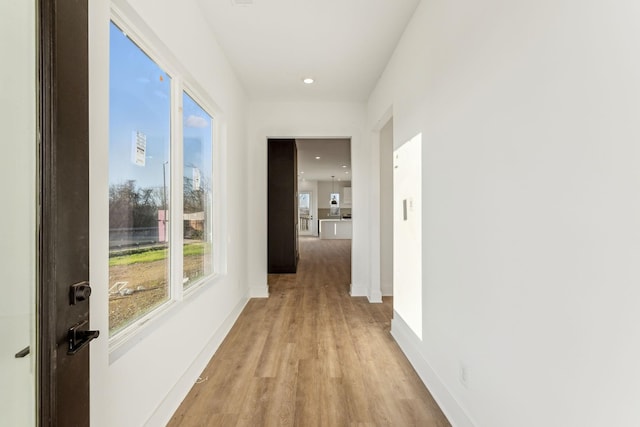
x=176 y=395
x=410 y=345
x=260 y=291
x=358 y=291
x=375 y=296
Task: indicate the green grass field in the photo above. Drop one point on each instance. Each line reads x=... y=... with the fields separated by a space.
x=156 y=254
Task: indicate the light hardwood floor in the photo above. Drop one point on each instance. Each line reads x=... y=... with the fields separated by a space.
x=310 y=355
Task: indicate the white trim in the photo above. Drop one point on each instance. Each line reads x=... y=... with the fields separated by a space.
x=375 y=292
x=410 y=345
x=176 y=185
x=123 y=16
x=384 y=119
x=214 y=218
x=220 y=195
x=375 y=297
x=150 y=44
x=358 y=291
x=260 y=291
x=165 y=410
x=374 y=208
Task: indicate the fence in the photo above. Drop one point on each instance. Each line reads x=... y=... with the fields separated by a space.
x=128 y=237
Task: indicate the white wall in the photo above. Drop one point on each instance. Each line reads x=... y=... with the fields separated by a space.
x=407 y=234
x=529 y=120
x=146 y=383
x=302 y=120
x=386 y=209
x=18 y=173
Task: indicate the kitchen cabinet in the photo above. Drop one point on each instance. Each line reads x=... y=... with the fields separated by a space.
x=335 y=229
x=346 y=196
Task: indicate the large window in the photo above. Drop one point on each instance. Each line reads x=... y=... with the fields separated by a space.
x=144 y=248
x=197 y=191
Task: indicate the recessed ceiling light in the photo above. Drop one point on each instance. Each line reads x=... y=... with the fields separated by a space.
x=307 y=80
x=344 y=166
x=347 y=172
x=301 y=171
x=317 y=157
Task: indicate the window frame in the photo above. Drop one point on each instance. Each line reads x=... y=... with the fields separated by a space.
x=181 y=83
x=214 y=212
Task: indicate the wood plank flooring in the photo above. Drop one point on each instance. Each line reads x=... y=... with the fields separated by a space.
x=310 y=355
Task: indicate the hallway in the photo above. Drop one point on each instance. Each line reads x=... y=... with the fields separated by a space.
x=310 y=355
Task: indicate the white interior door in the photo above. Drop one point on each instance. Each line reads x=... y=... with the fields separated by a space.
x=305 y=213
x=18 y=213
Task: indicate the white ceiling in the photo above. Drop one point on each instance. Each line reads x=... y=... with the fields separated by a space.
x=343 y=44
x=333 y=153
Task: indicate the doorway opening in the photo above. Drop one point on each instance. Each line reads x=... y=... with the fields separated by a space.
x=305 y=213
x=321 y=190
x=324 y=172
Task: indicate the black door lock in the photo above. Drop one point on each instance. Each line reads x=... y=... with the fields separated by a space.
x=79 y=292
x=79 y=339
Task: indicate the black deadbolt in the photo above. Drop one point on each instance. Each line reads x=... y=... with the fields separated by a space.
x=79 y=292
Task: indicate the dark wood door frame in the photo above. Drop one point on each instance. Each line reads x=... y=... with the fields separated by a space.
x=63 y=217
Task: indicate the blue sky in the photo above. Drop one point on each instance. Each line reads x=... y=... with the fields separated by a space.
x=197 y=133
x=139 y=101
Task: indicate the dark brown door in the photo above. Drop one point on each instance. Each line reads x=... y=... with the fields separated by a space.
x=64 y=215
x=282 y=209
